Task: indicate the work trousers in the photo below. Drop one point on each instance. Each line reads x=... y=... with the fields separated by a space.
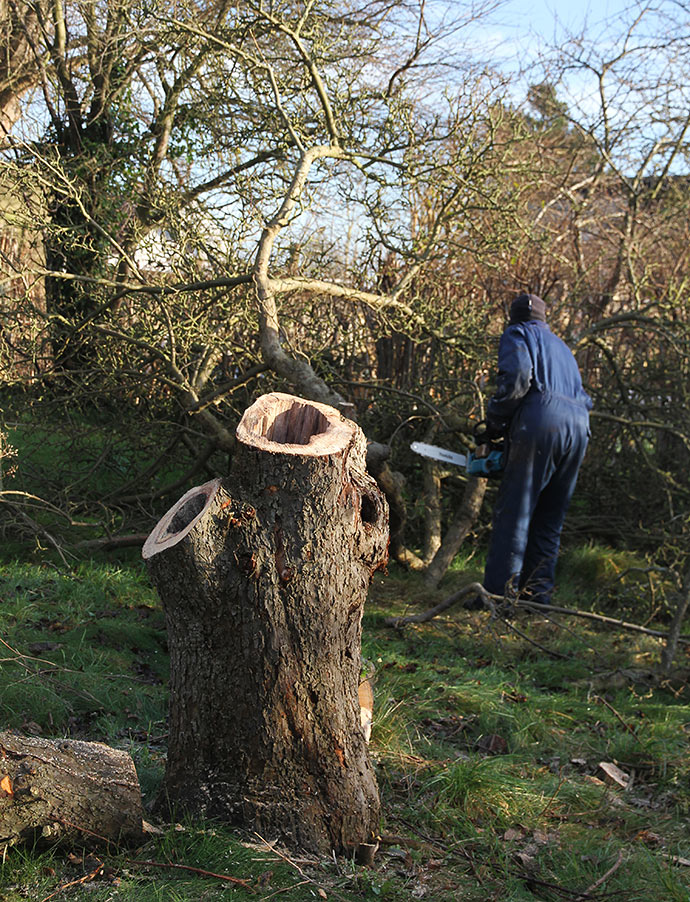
x=547 y=441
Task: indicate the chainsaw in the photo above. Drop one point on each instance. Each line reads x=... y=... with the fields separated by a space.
x=492 y=465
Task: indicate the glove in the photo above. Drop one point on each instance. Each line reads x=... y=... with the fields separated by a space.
x=488 y=431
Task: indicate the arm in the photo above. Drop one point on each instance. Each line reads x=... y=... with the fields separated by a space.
x=514 y=379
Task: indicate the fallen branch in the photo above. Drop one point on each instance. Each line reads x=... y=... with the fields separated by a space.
x=478 y=589
x=153 y=864
x=114 y=542
x=94 y=787
x=467 y=591
x=598 y=618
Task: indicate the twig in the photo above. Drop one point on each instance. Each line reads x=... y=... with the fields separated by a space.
x=547 y=651
x=160 y=864
x=602 y=879
x=553 y=796
x=79 y=882
x=425 y=839
x=280 y=854
x=38 y=529
x=81 y=829
x=599 y=618
x=186 y=867
x=669 y=651
x=20 y=657
x=563 y=892
x=287 y=860
x=627 y=726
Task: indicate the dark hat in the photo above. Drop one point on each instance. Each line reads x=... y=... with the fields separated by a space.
x=527 y=307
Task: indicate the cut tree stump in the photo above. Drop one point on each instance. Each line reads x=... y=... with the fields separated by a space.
x=263 y=577
x=66 y=790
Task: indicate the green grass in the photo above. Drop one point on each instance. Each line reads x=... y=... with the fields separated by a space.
x=487 y=749
x=85 y=476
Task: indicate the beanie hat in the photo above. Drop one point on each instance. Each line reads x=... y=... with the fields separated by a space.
x=527 y=307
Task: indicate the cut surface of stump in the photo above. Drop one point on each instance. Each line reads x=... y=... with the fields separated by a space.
x=263 y=576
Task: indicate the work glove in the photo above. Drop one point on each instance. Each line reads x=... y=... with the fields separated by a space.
x=488 y=431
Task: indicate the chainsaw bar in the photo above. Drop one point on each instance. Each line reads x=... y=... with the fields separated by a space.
x=436 y=453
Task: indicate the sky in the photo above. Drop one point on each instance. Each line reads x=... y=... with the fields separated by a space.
x=521 y=21
x=518 y=38
x=542 y=15
x=512 y=35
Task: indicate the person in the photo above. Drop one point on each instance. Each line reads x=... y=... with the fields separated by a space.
x=542 y=410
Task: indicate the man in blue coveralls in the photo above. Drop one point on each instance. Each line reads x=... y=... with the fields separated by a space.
x=542 y=409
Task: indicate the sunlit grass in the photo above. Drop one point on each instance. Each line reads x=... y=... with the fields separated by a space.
x=487 y=747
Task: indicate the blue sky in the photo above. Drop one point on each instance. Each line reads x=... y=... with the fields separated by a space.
x=544 y=16
x=522 y=29
x=519 y=37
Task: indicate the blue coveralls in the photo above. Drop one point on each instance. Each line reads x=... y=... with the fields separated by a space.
x=541 y=404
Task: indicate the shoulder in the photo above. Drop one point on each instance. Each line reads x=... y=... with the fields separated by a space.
x=528 y=333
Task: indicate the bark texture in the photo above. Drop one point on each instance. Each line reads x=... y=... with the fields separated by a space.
x=66 y=789
x=433 y=509
x=263 y=576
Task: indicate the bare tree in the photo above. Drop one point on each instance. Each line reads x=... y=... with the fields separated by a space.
x=182 y=155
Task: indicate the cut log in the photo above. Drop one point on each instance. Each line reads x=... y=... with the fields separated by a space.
x=263 y=577
x=66 y=790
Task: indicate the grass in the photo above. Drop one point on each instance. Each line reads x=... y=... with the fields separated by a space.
x=487 y=749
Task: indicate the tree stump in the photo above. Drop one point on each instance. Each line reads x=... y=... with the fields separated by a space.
x=263 y=577
x=66 y=789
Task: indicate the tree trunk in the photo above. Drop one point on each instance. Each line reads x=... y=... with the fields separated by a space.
x=433 y=509
x=669 y=651
x=65 y=789
x=391 y=483
x=457 y=531
x=263 y=577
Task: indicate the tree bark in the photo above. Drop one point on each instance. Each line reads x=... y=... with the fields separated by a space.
x=475 y=490
x=66 y=789
x=433 y=509
x=263 y=577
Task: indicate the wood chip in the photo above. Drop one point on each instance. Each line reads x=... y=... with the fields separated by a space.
x=614 y=774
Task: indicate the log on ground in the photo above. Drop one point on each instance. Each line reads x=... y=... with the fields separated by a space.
x=66 y=790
